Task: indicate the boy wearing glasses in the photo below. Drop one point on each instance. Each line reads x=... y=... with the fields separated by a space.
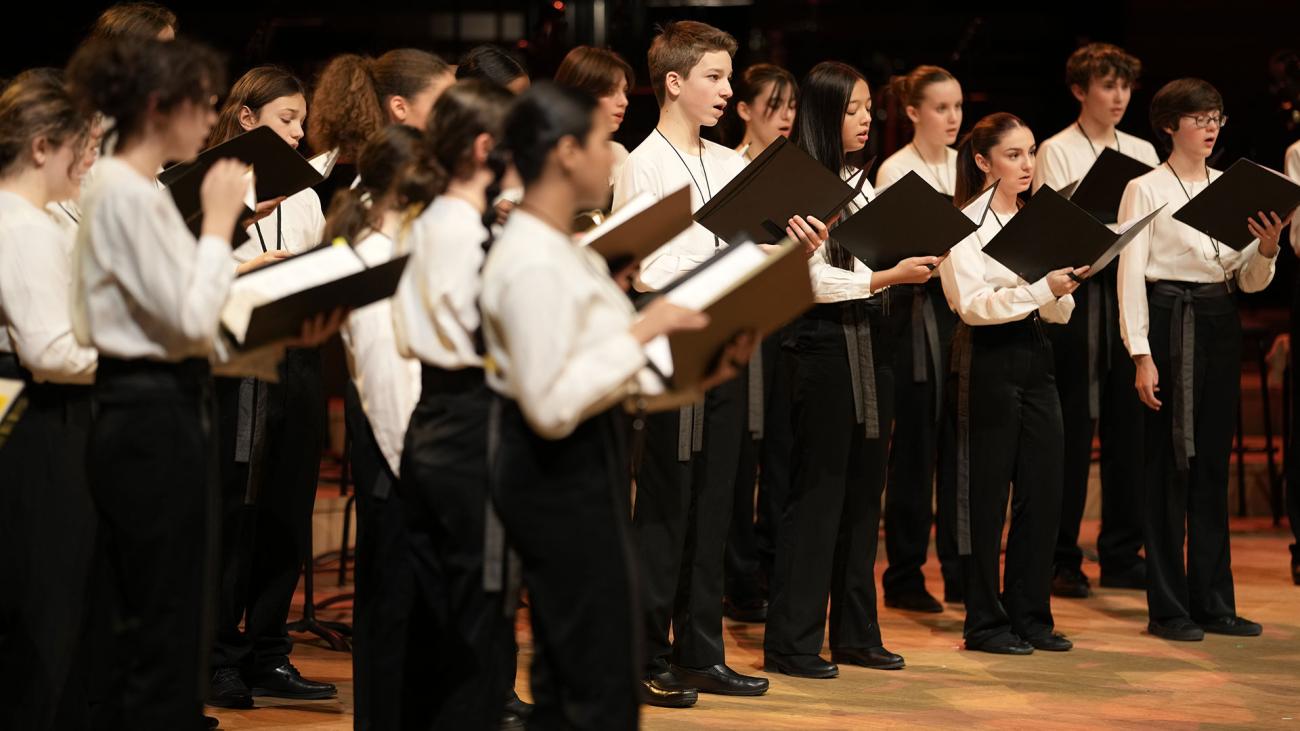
x=1179 y=321
x=1094 y=375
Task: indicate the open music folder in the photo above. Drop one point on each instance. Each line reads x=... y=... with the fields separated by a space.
x=1052 y=233
x=782 y=182
x=272 y=303
x=1100 y=189
x=910 y=218
x=642 y=225
x=1241 y=192
x=742 y=289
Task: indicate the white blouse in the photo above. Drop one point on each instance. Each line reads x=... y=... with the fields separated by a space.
x=1292 y=169
x=984 y=292
x=296 y=225
x=833 y=284
x=1067 y=156
x=436 y=311
x=657 y=168
x=36 y=292
x=557 y=328
x=1170 y=250
x=942 y=177
x=387 y=382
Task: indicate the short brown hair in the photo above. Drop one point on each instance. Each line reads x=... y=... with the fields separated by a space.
x=596 y=71
x=1099 y=60
x=135 y=20
x=1177 y=99
x=37 y=104
x=910 y=87
x=679 y=46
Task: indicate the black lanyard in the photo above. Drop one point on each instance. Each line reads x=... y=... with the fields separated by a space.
x=1218 y=257
x=1088 y=139
x=279 y=237
x=717 y=243
x=68 y=213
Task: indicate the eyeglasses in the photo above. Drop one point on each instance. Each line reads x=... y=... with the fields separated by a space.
x=1201 y=121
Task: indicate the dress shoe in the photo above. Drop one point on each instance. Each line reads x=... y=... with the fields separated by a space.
x=953 y=596
x=511 y=722
x=666 y=691
x=800 y=666
x=1134 y=578
x=1295 y=574
x=516 y=713
x=914 y=601
x=284 y=681
x=1235 y=626
x=721 y=680
x=1070 y=583
x=228 y=690
x=1054 y=642
x=1003 y=645
x=753 y=611
x=876 y=658
x=1180 y=629
x=210 y=723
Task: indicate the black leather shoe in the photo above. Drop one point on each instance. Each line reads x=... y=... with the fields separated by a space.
x=721 y=680
x=511 y=722
x=284 y=681
x=750 y=612
x=516 y=713
x=211 y=722
x=953 y=596
x=228 y=690
x=876 y=658
x=1235 y=626
x=1295 y=574
x=800 y=666
x=915 y=601
x=1070 y=583
x=1009 y=645
x=1134 y=578
x=1181 y=629
x=665 y=691
x=1055 y=642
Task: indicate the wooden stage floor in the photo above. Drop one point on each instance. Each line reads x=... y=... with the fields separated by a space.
x=1116 y=677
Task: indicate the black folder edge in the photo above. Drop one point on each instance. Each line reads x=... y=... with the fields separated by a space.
x=1180 y=214
x=991 y=189
x=1070 y=191
x=911 y=179
x=680 y=198
x=205 y=159
x=1121 y=241
x=372 y=284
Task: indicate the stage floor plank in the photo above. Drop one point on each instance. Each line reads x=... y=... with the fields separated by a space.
x=1116 y=677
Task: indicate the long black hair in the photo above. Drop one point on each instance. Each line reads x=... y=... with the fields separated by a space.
x=818 y=128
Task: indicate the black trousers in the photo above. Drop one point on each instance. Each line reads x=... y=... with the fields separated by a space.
x=47 y=536
x=915 y=450
x=831 y=522
x=683 y=512
x=1293 y=449
x=1192 y=504
x=152 y=471
x=1119 y=425
x=745 y=568
x=384 y=583
x=1014 y=420
x=564 y=505
x=266 y=510
x=460 y=667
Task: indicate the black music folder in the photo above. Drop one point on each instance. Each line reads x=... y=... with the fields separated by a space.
x=272 y=302
x=782 y=182
x=1244 y=189
x=742 y=288
x=1100 y=189
x=910 y=218
x=1052 y=233
x=638 y=228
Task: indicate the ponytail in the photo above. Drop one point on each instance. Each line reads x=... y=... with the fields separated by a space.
x=345 y=108
x=982 y=138
x=391 y=175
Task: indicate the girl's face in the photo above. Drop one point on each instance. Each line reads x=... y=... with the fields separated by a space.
x=62 y=167
x=938 y=119
x=614 y=104
x=857 y=118
x=1011 y=160
x=414 y=110
x=596 y=160
x=185 y=128
x=1197 y=133
x=768 y=118
x=287 y=115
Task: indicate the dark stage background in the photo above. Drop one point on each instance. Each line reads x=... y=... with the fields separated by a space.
x=1006 y=59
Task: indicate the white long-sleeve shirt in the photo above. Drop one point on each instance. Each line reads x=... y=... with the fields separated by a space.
x=655 y=167
x=36 y=292
x=436 y=306
x=984 y=292
x=299 y=222
x=831 y=283
x=557 y=328
x=1066 y=156
x=1171 y=250
x=387 y=382
x=1292 y=168
x=942 y=177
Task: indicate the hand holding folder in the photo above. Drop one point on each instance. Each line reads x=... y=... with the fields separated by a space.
x=1238 y=195
x=1051 y=233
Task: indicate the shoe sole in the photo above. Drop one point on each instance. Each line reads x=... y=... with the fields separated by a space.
x=1232 y=634
x=777 y=669
x=1189 y=637
x=890 y=666
x=322 y=695
x=1000 y=652
x=238 y=705
x=1053 y=649
x=738 y=693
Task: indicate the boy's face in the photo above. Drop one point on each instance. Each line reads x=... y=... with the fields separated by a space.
x=704 y=92
x=1105 y=99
